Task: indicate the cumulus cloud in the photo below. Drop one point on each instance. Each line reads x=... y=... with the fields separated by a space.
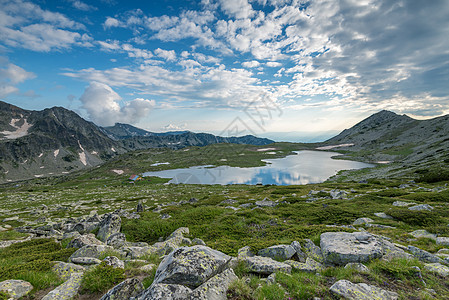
x=251 y=64
x=102 y=105
x=83 y=6
x=10 y=76
x=111 y=22
x=173 y=127
x=239 y=9
x=169 y=55
x=24 y=24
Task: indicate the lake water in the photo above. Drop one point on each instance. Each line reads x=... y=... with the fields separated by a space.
x=303 y=168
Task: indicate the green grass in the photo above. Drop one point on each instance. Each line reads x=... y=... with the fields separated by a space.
x=12 y=235
x=101 y=278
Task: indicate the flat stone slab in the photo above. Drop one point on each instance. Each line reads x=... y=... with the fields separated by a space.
x=362 y=221
x=16 y=288
x=437 y=268
x=421 y=207
x=265 y=265
x=67 y=290
x=340 y=248
x=281 y=252
x=215 y=288
x=361 y=291
x=423 y=234
x=442 y=240
x=65 y=270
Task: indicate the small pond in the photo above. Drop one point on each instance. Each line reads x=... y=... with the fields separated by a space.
x=303 y=168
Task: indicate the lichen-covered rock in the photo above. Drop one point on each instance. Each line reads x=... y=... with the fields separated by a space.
x=172 y=242
x=361 y=291
x=85 y=260
x=137 y=252
x=358 y=267
x=421 y=207
x=266 y=203
x=197 y=241
x=114 y=262
x=362 y=221
x=402 y=203
x=65 y=270
x=265 y=265
x=300 y=255
x=84 y=240
x=424 y=256
x=67 y=290
x=245 y=252
x=127 y=289
x=383 y=215
x=313 y=251
x=162 y=291
x=191 y=266
x=394 y=251
x=91 y=251
x=278 y=252
x=340 y=248
x=147 y=268
x=437 y=268
x=109 y=225
x=423 y=234
x=215 y=288
x=16 y=288
x=116 y=240
x=442 y=240
x=310 y=265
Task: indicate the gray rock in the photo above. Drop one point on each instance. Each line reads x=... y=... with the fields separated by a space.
x=162 y=291
x=361 y=291
x=215 y=288
x=127 y=289
x=70 y=235
x=85 y=260
x=266 y=203
x=84 y=240
x=423 y=234
x=116 y=240
x=137 y=252
x=278 y=252
x=340 y=248
x=114 y=262
x=140 y=207
x=65 y=270
x=16 y=288
x=91 y=251
x=310 y=265
x=421 y=207
x=197 y=241
x=362 y=221
x=338 y=194
x=265 y=265
x=402 y=203
x=358 y=267
x=313 y=251
x=229 y=201
x=67 y=290
x=191 y=266
x=424 y=256
x=442 y=240
x=147 y=268
x=300 y=255
x=383 y=215
x=245 y=252
x=109 y=225
x=437 y=268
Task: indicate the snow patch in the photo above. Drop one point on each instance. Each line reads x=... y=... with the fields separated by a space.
x=56 y=153
x=334 y=146
x=112 y=149
x=119 y=172
x=83 y=158
x=270 y=153
x=157 y=164
x=40 y=155
x=383 y=162
x=266 y=149
x=94 y=153
x=19 y=132
x=81 y=147
x=40 y=175
x=41 y=167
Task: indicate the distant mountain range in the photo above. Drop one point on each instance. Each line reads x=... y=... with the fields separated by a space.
x=57 y=140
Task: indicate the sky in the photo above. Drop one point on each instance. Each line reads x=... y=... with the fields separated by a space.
x=292 y=70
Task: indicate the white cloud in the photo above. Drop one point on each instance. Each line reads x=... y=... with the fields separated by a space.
x=169 y=55
x=173 y=127
x=101 y=103
x=239 y=9
x=111 y=22
x=10 y=76
x=83 y=6
x=251 y=64
x=273 y=64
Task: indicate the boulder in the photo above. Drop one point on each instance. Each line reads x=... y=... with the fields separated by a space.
x=109 y=225
x=215 y=288
x=441 y=240
x=140 y=207
x=137 y=252
x=265 y=265
x=90 y=251
x=310 y=265
x=266 y=203
x=361 y=291
x=245 y=252
x=114 y=262
x=402 y=203
x=362 y=221
x=147 y=268
x=300 y=255
x=15 y=288
x=437 y=268
x=85 y=260
x=313 y=251
x=197 y=241
x=423 y=234
x=162 y=291
x=278 y=252
x=84 y=240
x=127 y=289
x=358 y=267
x=383 y=215
x=338 y=194
x=424 y=256
x=67 y=290
x=421 y=207
x=340 y=248
x=65 y=270
x=116 y=240
x=191 y=266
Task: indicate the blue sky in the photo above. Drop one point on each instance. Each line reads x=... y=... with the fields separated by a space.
x=285 y=69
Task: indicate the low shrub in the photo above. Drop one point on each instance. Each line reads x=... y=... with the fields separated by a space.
x=434 y=175
x=415 y=218
x=102 y=278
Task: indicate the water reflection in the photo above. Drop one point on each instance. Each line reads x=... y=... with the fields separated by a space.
x=303 y=168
